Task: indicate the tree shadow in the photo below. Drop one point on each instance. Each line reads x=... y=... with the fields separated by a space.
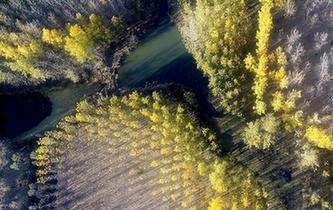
x=224 y=140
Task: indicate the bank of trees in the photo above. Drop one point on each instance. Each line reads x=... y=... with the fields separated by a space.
x=86 y=37
x=244 y=79
x=21 y=54
x=271 y=86
x=38 y=55
x=219 y=35
x=160 y=136
x=37 y=37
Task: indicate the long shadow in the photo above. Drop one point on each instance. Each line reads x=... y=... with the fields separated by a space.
x=224 y=139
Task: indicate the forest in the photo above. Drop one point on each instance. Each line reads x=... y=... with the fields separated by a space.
x=168 y=104
x=52 y=41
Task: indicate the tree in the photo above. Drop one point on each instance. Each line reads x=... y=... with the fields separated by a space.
x=151 y=133
x=217 y=204
x=308 y=157
x=218 y=175
x=21 y=54
x=264 y=64
x=262 y=132
x=78 y=44
x=319 y=137
x=53 y=36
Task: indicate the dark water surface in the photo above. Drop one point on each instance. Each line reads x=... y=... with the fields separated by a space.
x=162 y=58
x=183 y=71
x=21 y=112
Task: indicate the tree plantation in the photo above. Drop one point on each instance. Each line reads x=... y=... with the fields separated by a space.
x=146 y=140
x=219 y=42
x=266 y=70
x=83 y=40
x=276 y=101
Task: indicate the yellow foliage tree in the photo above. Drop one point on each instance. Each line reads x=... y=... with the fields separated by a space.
x=53 y=36
x=166 y=138
x=262 y=132
x=218 y=34
x=264 y=62
x=20 y=55
x=217 y=204
x=319 y=137
x=82 y=39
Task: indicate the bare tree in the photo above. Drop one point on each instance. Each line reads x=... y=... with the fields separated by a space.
x=295 y=48
x=296 y=77
x=4 y=189
x=324 y=74
x=320 y=39
x=290 y=7
x=297 y=54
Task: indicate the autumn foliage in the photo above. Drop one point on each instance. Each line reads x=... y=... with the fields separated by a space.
x=82 y=39
x=218 y=34
x=20 y=53
x=160 y=134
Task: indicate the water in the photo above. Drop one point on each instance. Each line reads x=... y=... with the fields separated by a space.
x=161 y=57
x=159 y=49
x=63 y=102
x=19 y=113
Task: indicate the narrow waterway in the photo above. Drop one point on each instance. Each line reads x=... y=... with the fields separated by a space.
x=159 y=49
